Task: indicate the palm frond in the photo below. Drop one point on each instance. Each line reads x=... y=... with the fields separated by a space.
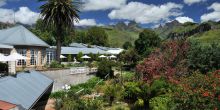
x=60 y=13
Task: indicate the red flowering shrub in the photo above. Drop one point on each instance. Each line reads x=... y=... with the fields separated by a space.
x=167 y=61
x=199 y=92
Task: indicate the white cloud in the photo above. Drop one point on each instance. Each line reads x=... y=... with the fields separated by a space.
x=94 y=5
x=144 y=13
x=23 y=15
x=87 y=22
x=26 y=16
x=184 y=19
x=190 y=2
x=6 y=15
x=2 y=2
x=215 y=15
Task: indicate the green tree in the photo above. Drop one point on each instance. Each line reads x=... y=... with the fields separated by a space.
x=69 y=58
x=45 y=36
x=105 y=68
x=80 y=36
x=78 y=57
x=146 y=42
x=59 y=15
x=43 y=33
x=204 y=57
x=127 y=45
x=69 y=38
x=97 y=36
x=113 y=92
x=48 y=34
x=129 y=57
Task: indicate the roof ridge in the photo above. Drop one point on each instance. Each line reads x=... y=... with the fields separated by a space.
x=23 y=33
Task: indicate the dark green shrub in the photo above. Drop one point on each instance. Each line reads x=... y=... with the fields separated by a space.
x=93 y=104
x=113 y=92
x=129 y=57
x=88 y=86
x=139 y=104
x=204 y=57
x=55 y=64
x=71 y=100
x=105 y=68
x=81 y=104
x=69 y=58
x=135 y=90
x=160 y=102
x=3 y=67
x=69 y=65
x=57 y=95
x=128 y=76
x=94 y=57
x=127 y=45
x=160 y=87
x=78 y=57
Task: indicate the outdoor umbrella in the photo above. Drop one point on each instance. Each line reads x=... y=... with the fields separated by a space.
x=102 y=56
x=16 y=56
x=13 y=58
x=85 y=57
x=112 y=56
x=61 y=56
x=3 y=58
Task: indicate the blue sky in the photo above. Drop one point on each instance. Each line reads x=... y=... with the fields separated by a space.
x=149 y=13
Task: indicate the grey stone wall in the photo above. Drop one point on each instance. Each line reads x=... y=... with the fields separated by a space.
x=62 y=77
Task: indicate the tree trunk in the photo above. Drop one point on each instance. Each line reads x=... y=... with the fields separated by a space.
x=58 y=50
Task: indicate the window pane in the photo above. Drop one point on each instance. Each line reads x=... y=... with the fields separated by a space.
x=23 y=52
x=34 y=57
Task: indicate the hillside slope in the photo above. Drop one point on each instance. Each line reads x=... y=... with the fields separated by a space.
x=117 y=37
x=206 y=32
x=119 y=33
x=207 y=37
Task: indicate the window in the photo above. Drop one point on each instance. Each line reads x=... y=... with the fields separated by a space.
x=5 y=51
x=42 y=56
x=23 y=52
x=50 y=56
x=34 y=57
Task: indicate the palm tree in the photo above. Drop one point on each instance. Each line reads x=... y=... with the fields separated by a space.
x=59 y=15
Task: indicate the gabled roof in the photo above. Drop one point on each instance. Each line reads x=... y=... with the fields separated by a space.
x=74 y=50
x=19 y=35
x=25 y=89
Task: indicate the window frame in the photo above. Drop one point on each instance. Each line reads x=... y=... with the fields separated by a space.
x=23 y=52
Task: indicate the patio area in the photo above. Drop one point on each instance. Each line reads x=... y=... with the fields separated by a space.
x=67 y=76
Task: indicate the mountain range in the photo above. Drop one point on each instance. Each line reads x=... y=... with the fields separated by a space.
x=121 y=32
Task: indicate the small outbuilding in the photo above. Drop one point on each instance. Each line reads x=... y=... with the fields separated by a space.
x=28 y=90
